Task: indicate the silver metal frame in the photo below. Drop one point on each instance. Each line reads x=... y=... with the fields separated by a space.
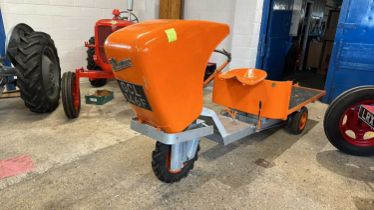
x=199 y=130
x=229 y=130
x=183 y=145
x=219 y=128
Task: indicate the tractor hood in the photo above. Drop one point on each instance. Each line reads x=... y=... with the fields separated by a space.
x=160 y=66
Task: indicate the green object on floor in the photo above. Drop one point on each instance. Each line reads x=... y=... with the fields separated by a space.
x=100 y=97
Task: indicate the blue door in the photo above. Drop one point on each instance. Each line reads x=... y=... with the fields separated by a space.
x=2 y=37
x=352 y=60
x=275 y=37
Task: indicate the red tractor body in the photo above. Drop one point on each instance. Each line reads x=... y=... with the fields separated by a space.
x=98 y=67
x=103 y=28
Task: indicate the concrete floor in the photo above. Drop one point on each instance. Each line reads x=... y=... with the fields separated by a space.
x=97 y=162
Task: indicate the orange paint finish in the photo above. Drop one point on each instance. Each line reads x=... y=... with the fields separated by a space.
x=245 y=76
x=169 y=66
x=235 y=90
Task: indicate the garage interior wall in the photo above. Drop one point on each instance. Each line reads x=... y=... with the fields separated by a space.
x=244 y=18
x=71 y=23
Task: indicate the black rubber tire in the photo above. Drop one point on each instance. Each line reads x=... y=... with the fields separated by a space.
x=18 y=31
x=68 y=81
x=333 y=115
x=40 y=89
x=295 y=120
x=91 y=65
x=160 y=168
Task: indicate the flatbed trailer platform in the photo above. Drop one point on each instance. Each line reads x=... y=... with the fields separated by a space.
x=301 y=96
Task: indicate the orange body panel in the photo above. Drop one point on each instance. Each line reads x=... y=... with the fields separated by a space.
x=245 y=76
x=235 y=90
x=168 y=59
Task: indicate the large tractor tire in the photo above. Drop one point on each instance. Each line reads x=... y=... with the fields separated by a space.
x=38 y=72
x=91 y=65
x=343 y=127
x=14 y=39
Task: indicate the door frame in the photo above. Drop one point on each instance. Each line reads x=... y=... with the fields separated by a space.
x=263 y=34
x=329 y=84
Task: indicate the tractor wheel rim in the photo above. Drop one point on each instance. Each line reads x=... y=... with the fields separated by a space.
x=76 y=99
x=353 y=129
x=303 y=121
x=50 y=71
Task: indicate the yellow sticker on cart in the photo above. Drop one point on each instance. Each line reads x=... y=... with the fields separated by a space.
x=171 y=33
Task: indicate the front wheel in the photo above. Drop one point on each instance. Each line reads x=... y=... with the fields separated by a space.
x=71 y=98
x=342 y=125
x=161 y=164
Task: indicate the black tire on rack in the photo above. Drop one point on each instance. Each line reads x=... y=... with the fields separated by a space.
x=70 y=99
x=91 y=65
x=297 y=121
x=38 y=72
x=342 y=125
x=161 y=164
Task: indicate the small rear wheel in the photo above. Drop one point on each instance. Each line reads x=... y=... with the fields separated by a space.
x=297 y=121
x=161 y=164
x=71 y=98
x=91 y=65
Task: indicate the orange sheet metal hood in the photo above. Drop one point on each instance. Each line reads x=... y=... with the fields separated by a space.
x=163 y=76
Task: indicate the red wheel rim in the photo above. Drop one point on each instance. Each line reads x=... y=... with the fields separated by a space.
x=353 y=129
x=303 y=120
x=76 y=95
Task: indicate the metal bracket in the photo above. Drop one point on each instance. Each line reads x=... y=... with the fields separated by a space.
x=172 y=138
x=229 y=130
x=183 y=145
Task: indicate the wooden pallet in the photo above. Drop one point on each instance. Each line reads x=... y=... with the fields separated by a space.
x=10 y=94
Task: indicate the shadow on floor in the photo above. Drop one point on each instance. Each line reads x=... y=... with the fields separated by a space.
x=358 y=168
x=364 y=204
x=239 y=163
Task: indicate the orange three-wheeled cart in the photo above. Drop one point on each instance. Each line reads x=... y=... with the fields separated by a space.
x=160 y=69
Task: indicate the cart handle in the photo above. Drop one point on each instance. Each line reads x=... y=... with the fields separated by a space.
x=220 y=68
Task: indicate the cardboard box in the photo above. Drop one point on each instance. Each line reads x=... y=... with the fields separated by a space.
x=314 y=54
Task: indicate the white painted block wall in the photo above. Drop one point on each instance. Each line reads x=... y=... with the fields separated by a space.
x=69 y=22
x=244 y=18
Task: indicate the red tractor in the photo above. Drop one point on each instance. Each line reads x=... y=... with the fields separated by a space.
x=98 y=67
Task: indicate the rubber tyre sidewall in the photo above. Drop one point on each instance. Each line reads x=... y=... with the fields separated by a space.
x=294 y=121
x=334 y=114
x=159 y=164
x=68 y=80
x=30 y=75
